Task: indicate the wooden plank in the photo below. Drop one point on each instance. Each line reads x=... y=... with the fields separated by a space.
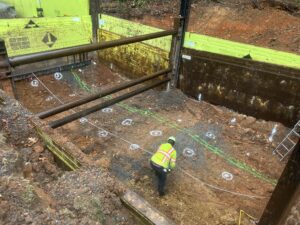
x=144 y=210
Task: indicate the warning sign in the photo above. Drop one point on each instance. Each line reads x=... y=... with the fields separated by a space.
x=31 y=24
x=49 y=39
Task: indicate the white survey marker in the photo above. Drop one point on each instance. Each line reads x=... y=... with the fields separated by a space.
x=58 y=76
x=102 y=133
x=107 y=110
x=127 y=122
x=34 y=83
x=227 y=176
x=83 y=120
x=156 y=133
x=188 y=152
x=134 y=147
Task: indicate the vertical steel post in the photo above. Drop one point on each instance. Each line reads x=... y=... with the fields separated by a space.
x=286 y=193
x=14 y=88
x=94 y=12
x=180 y=24
x=5 y=69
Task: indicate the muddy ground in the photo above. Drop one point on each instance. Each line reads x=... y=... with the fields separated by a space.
x=247 y=21
x=225 y=161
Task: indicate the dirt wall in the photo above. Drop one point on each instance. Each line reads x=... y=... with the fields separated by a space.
x=254 y=88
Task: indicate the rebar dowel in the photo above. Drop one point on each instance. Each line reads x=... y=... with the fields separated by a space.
x=98 y=95
x=37 y=57
x=80 y=114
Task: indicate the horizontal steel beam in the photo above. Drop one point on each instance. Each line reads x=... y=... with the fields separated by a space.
x=98 y=95
x=45 y=71
x=37 y=57
x=75 y=116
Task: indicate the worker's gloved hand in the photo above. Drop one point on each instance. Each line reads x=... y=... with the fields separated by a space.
x=169 y=170
x=165 y=170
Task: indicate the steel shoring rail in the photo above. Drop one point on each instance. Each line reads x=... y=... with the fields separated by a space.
x=75 y=116
x=37 y=57
x=98 y=95
x=59 y=68
x=150 y=153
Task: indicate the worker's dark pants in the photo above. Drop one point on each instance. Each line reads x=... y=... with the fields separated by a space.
x=161 y=175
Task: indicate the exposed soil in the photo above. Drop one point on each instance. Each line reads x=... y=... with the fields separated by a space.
x=193 y=190
x=260 y=24
x=35 y=190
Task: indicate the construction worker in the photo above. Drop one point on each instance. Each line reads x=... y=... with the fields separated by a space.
x=163 y=161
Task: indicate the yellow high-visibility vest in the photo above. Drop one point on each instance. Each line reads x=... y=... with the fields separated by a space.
x=165 y=156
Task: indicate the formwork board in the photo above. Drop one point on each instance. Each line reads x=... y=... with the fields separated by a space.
x=144 y=210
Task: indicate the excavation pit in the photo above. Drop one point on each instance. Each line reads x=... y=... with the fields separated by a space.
x=118 y=139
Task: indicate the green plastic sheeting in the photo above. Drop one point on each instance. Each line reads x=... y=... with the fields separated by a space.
x=239 y=50
x=201 y=42
x=128 y=29
x=51 y=8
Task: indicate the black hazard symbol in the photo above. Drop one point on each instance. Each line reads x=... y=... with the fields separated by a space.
x=49 y=39
x=31 y=24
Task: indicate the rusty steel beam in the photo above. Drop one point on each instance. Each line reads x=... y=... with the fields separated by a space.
x=45 y=71
x=98 y=95
x=77 y=115
x=37 y=57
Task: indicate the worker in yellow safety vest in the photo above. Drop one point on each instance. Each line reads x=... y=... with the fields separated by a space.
x=163 y=161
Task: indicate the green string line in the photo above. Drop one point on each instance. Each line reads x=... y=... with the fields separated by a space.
x=147 y=113
x=81 y=83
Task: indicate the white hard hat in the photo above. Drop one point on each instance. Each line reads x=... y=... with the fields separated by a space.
x=172 y=138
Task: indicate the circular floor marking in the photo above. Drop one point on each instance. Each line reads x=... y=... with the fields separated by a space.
x=58 y=76
x=134 y=147
x=34 y=83
x=83 y=120
x=156 y=133
x=107 y=110
x=102 y=133
x=210 y=135
x=127 y=122
x=188 y=152
x=227 y=176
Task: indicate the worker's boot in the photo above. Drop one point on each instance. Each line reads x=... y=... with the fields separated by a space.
x=161 y=193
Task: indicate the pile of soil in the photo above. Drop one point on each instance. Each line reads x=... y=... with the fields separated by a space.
x=34 y=190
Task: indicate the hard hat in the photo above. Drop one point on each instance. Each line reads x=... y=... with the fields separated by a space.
x=172 y=138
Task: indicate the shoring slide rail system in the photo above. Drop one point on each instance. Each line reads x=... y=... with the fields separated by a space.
x=85 y=112
x=70 y=105
x=45 y=71
x=37 y=57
